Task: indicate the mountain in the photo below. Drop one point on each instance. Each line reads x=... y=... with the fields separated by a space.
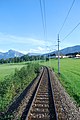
x=33 y=54
x=13 y=53
x=68 y=50
x=10 y=54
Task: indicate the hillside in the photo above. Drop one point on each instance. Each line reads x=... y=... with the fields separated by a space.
x=68 y=50
x=10 y=54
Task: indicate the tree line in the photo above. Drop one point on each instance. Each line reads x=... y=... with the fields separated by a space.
x=21 y=59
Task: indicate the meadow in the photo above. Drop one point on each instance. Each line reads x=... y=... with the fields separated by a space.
x=7 y=69
x=69 y=75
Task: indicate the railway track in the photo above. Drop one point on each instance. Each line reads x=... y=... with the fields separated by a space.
x=42 y=106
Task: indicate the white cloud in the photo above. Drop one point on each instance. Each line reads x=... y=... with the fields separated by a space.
x=23 y=44
x=23 y=40
x=3 y=51
x=39 y=50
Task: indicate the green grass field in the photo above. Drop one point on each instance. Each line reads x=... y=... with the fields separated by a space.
x=7 y=69
x=70 y=75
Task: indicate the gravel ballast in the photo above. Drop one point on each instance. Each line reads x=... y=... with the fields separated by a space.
x=65 y=105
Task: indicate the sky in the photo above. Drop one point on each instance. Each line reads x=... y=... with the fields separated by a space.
x=21 y=26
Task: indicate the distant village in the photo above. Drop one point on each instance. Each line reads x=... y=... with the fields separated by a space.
x=69 y=55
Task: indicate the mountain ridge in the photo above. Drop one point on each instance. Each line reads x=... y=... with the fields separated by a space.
x=10 y=54
x=68 y=50
x=13 y=53
x=72 y=49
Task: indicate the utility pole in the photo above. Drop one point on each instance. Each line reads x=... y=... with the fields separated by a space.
x=58 y=56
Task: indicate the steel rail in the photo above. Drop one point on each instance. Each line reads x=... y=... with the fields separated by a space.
x=43 y=106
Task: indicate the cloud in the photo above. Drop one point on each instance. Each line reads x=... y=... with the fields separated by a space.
x=3 y=51
x=23 y=44
x=39 y=50
x=5 y=38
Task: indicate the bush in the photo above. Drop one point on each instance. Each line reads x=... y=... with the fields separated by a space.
x=13 y=85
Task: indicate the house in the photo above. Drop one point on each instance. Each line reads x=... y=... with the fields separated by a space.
x=77 y=56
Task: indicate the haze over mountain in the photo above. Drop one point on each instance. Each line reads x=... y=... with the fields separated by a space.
x=10 y=54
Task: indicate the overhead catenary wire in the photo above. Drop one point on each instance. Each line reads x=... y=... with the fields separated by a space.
x=66 y=17
x=43 y=15
x=71 y=31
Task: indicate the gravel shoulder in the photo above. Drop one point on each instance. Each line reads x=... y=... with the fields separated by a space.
x=65 y=106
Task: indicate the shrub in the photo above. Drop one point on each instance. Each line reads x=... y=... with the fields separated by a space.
x=13 y=85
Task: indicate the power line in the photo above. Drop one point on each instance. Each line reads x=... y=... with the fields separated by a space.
x=42 y=15
x=71 y=31
x=66 y=17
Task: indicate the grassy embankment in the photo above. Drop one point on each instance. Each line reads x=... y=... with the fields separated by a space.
x=15 y=82
x=70 y=75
